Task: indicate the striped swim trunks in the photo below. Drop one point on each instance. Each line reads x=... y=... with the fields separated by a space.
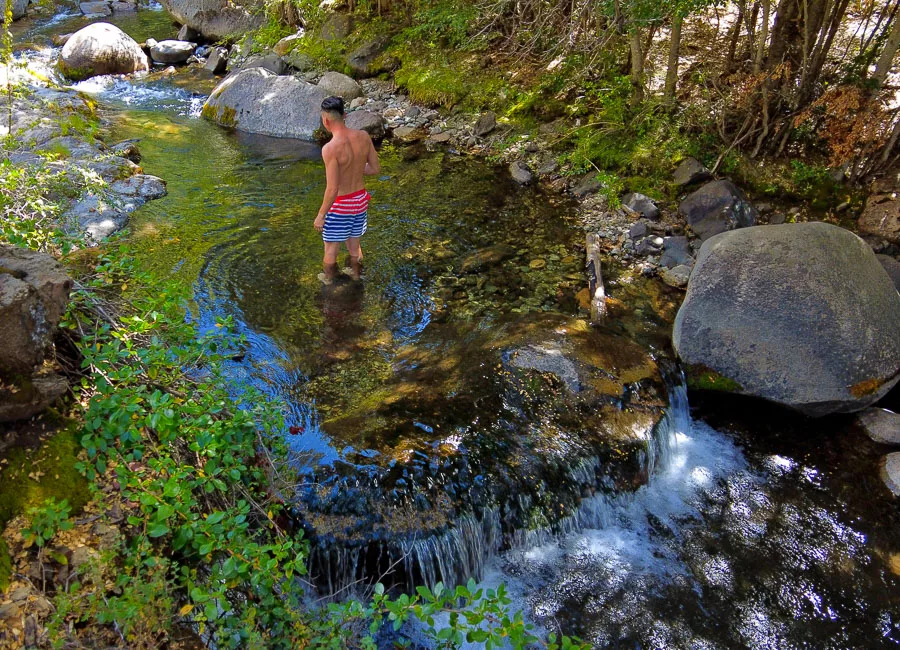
x=347 y=217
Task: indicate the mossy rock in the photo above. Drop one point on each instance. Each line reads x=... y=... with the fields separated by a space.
x=32 y=476
x=700 y=377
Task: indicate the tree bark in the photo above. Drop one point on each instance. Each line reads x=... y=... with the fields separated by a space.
x=637 y=67
x=674 y=55
x=887 y=54
x=733 y=39
x=763 y=36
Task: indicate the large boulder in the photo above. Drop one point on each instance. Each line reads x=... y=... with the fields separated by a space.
x=335 y=83
x=717 y=207
x=34 y=292
x=799 y=314
x=217 y=20
x=101 y=48
x=257 y=101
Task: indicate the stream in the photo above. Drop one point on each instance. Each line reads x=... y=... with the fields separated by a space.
x=454 y=416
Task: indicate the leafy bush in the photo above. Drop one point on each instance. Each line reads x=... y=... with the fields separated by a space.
x=46 y=520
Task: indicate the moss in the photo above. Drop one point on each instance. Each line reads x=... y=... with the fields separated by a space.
x=5 y=566
x=700 y=377
x=225 y=116
x=32 y=476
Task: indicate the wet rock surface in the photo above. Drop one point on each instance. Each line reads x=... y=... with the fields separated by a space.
x=800 y=314
x=881 y=425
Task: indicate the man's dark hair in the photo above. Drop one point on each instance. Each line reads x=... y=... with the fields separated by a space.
x=334 y=106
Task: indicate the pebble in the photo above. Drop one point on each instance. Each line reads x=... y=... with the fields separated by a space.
x=881 y=425
x=890 y=472
x=9 y=611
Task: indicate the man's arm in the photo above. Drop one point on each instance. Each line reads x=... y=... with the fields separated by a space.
x=332 y=182
x=373 y=167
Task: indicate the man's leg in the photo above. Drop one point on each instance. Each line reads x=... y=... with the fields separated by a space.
x=355 y=250
x=329 y=262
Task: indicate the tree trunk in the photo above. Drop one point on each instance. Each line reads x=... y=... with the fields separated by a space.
x=733 y=39
x=763 y=36
x=637 y=67
x=674 y=53
x=887 y=54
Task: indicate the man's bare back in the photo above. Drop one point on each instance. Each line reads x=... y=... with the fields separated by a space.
x=348 y=158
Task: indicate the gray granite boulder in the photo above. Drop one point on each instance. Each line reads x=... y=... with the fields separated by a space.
x=34 y=293
x=271 y=62
x=371 y=123
x=335 y=83
x=798 y=314
x=98 y=49
x=217 y=20
x=716 y=207
x=258 y=101
x=172 y=51
x=676 y=251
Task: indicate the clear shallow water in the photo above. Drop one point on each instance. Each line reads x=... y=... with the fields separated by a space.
x=776 y=534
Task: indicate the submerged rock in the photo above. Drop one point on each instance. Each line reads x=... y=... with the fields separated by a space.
x=214 y=19
x=487 y=257
x=101 y=48
x=799 y=314
x=258 y=101
x=717 y=207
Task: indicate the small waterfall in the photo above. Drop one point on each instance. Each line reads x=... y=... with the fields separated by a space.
x=462 y=550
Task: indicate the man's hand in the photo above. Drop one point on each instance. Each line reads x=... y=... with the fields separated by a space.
x=319 y=223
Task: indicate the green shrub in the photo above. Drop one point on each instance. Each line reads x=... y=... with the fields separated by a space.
x=45 y=521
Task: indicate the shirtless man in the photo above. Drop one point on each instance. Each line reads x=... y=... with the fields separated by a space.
x=349 y=156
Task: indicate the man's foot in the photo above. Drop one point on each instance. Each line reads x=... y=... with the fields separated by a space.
x=356 y=267
x=327 y=276
x=324 y=279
